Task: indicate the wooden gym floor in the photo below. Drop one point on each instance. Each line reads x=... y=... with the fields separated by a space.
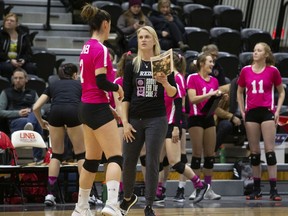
x=228 y=205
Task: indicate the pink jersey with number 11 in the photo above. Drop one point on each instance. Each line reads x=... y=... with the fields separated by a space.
x=259 y=86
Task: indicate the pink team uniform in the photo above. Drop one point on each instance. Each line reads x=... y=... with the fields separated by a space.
x=94 y=55
x=259 y=86
x=202 y=87
x=181 y=92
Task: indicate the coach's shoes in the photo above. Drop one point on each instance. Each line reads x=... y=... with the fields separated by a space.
x=200 y=192
x=81 y=212
x=211 y=195
x=149 y=211
x=126 y=205
x=111 y=210
x=50 y=200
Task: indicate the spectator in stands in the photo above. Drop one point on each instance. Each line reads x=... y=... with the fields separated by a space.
x=169 y=27
x=131 y=20
x=201 y=127
x=16 y=105
x=225 y=118
x=260 y=114
x=65 y=96
x=99 y=126
x=15 y=48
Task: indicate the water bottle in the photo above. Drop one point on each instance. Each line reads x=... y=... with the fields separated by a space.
x=104 y=192
x=222 y=155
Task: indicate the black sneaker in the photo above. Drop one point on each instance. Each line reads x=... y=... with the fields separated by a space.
x=149 y=211
x=275 y=196
x=255 y=195
x=161 y=198
x=120 y=196
x=200 y=192
x=126 y=205
x=180 y=195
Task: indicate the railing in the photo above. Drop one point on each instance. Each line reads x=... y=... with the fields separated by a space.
x=47 y=24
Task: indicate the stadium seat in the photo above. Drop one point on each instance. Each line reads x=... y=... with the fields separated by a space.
x=112 y=8
x=229 y=63
x=281 y=62
x=245 y=58
x=251 y=36
x=197 y=38
x=208 y=3
x=197 y=15
x=36 y=83
x=4 y=83
x=45 y=62
x=226 y=39
x=228 y=16
x=190 y=56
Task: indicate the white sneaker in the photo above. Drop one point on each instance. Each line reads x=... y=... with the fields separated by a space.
x=94 y=201
x=211 y=195
x=193 y=195
x=29 y=126
x=81 y=212
x=50 y=200
x=111 y=210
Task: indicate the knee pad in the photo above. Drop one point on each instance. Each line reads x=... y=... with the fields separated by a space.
x=209 y=162
x=143 y=160
x=195 y=163
x=160 y=167
x=271 y=158
x=184 y=158
x=165 y=162
x=80 y=156
x=59 y=157
x=255 y=159
x=91 y=165
x=179 y=167
x=116 y=159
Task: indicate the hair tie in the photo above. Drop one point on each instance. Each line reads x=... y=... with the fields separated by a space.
x=129 y=53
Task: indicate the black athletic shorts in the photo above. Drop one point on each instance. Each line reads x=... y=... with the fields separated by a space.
x=61 y=115
x=259 y=115
x=201 y=121
x=95 y=115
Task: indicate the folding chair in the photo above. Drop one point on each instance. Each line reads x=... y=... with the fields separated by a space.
x=28 y=139
x=4 y=83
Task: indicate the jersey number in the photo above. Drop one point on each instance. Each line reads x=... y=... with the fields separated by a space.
x=260 y=85
x=81 y=64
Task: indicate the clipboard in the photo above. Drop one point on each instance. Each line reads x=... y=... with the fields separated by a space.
x=211 y=105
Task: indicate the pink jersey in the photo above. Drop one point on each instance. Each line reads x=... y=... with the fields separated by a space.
x=169 y=102
x=202 y=87
x=259 y=86
x=94 y=55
